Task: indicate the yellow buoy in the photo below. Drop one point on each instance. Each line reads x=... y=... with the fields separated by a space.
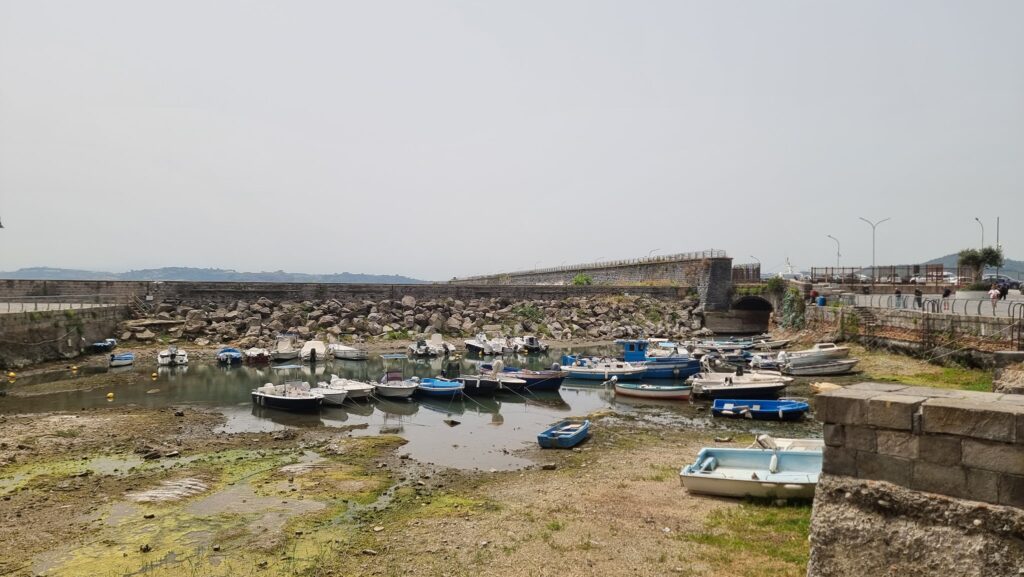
x=110 y=396
x=153 y=375
x=74 y=368
x=11 y=375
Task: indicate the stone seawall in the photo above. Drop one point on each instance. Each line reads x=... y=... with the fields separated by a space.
x=919 y=481
x=33 y=337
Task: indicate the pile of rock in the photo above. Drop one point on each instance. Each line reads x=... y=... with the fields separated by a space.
x=250 y=324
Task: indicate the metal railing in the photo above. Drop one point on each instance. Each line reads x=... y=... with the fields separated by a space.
x=683 y=256
x=931 y=304
x=23 y=304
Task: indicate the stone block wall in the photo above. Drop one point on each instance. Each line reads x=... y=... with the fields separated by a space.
x=888 y=449
x=32 y=337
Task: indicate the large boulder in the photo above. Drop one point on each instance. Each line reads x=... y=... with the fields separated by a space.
x=409 y=301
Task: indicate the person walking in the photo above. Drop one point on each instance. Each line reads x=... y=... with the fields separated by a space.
x=993 y=294
x=899 y=298
x=945 y=298
x=917 y=299
x=1004 y=289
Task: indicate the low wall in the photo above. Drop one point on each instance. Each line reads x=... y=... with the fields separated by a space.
x=919 y=481
x=33 y=337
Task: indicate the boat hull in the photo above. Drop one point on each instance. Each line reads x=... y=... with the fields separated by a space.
x=760 y=410
x=295 y=404
x=331 y=396
x=354 y=355
x=604 y=375
x=671 y=393
x=683 y=369
x=394 y=391
x=561 y=437
x=284 y=355
x=479 y=385
x=753 y=391
x=841 y=367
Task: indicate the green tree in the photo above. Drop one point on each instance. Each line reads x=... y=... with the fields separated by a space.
x=976 y=260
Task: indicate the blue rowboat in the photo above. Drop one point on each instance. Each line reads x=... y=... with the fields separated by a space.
x=761 y=410
x=229 y=356
x=564 y=435
x=122 y=360
x=676 y=365
x=760 y=473
x=439 y=388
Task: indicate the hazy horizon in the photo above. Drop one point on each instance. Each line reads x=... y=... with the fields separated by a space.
x=439 y=139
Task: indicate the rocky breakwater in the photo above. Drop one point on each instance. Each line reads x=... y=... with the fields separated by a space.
x=248 y=324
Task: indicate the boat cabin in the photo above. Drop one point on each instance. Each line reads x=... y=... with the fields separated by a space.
x=634 y=350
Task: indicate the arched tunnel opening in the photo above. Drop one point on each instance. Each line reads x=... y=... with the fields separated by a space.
x=752 y=303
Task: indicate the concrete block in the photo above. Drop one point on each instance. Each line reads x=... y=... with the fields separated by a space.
x=994 y=421
x=941 y=479
x=884 y=468
x=983 y=485
x=932 y=392
x=893 y=411
x=877 y=387
x=843 y=407
x=1011 y=491
x=897 y=444
x=860 y=438
x=839 y=461
x=939 y=449
x=1012 y=399
x=834 y=435
x=999 y=457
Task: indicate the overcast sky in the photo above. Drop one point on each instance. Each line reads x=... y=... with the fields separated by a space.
x=436 y=138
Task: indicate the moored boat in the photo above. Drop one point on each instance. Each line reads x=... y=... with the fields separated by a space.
x=229 y=356
x=528 y=344
x=332 y=395
x=432 y=387
x=104 y=346
x=353 y=389
x=291 y=396
x=662 y=364
x=435 y=346
x=600 y=369
x=257 y=356
x=818 y=353
x=544 y=380
x=648 y=391
x=314 y=352
x=284 y=349
x=729 y=390
x=346 y=352
x=122 y=359
x=393 y=383
x=759 y=473
x=488 y=384
x=171 y=357
x=564 y=435
x=761 y=409
x=831 y=367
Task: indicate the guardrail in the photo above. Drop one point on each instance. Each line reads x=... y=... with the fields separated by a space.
x=58 y=302
x=698 y=255
x=931 y=304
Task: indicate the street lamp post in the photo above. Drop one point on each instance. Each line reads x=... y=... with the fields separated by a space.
x=837 y=248
x=982 y=225
x=874 y=225
x=652 y=251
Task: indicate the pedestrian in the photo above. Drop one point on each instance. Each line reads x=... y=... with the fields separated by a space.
x=917 y=299
x=945 y=296
x=1004 y=289
x=899 y=298
x=993 y=294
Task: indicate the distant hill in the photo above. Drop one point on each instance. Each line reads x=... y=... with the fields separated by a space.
x=204 y=274
x=1010 y=267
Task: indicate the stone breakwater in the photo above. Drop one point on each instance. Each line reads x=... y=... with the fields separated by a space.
x=247 y=324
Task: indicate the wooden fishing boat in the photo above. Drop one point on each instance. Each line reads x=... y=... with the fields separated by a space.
x=659 y=364
x=760 y=409
x=488 y=384
x=753 y=473
x=564 y=435
x=601 y=369
x=647 y=391
x=838 y=367
x=544 y=380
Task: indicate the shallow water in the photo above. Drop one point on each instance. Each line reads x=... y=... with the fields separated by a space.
x=488 y=432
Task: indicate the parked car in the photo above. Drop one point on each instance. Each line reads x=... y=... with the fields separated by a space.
x=1002 y=279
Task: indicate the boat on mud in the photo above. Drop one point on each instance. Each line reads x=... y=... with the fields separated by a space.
x=761 y=473
x=564 y=435
x=346 y=353
x=833 y=367
x=761 y=409
x=314 y=352
x=649 y=391
x=121 y=360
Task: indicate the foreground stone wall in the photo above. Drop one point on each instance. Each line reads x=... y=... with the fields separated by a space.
x=32 y=337
x=919 y=481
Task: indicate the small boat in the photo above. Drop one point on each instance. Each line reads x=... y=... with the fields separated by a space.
x=354 y=389
x=659 y=364
x=229 y=356
x=104 y=346
x=284 y=349
x=739 y=377
x=836 y=367
x=600 y=369
x=646 y=391
x=435 y=346
x=771 y=345
x=774 y=474
x=346 y=352
x=290 y=396
x=729 y=390
x=332 y=395
x=257 y=356
x=122 y=359
x=546 y=380
x=393 y=383
x=488 y=384
x=761 y=410
x=171 y=357
x=432 y=387
x=816 y=355
x=528 y=344
x=482 y=345
x=314 y=352
x=564 y=435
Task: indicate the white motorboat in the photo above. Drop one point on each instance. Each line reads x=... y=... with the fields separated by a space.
x=731 y=390
x=528 y=344
x=346 y=352
x=314 y=352
x=738 y=378
x=775 y=474
x=284 y=349
x=354 y=389
x=172 y=357
x=602 y=369
x=256 y=355
x=829 y=367
x=435 y=346
x=393 y=383
x=816 y=355
x=482 y=345
x=290 y=396
x=332 y=395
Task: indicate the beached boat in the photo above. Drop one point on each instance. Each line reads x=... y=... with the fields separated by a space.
x=600 y=369
x=257 y=356
x=647 y=391
x=435 y=346
x=122 y=359
x=818 y=353
x=104 y=346
x=528 y=344
x=171 y=357
x=332 y=395
x=346 y=352
x=284 y=349
x=291 y=396
x=229 y=356
x=753 y=473
x=353 y=389
x=660 y=364
x=739 y=377
x=729 y=390
x=831 y=367
x=564 y=435
x=761 y=409
x=431 y=387
x=314 y=352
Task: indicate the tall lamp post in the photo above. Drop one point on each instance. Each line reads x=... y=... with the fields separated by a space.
x=982 y=225
x=652 y=251
x=874 y=225
x=837 y=248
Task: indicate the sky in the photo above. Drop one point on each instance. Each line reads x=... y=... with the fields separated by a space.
x=437 y=138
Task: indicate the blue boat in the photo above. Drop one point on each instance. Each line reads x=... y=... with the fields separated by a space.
x=761 y=410
x=439 y=388
x=675 y=365
x=122 y=359
x=777 y=474
x=104 y=346
x=564 y=435
x=229 y=356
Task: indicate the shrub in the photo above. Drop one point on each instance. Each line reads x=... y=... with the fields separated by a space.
x=776 y=285
x=582 y=280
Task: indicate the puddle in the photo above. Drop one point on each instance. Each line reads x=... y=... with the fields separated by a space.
x=169 y=491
